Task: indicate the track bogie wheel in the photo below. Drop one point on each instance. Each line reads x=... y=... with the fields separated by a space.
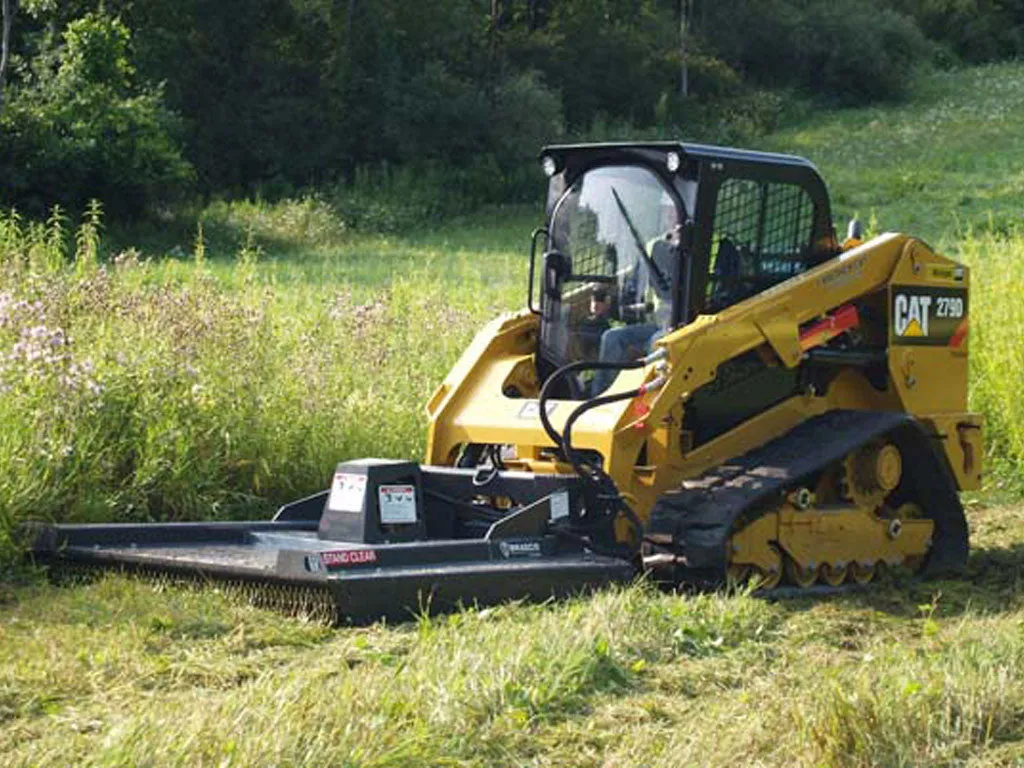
x=769 y=578
x=862 y=573
x=799 y=575
x=834 y=575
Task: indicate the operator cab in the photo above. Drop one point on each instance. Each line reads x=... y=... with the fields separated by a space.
x=642 y=238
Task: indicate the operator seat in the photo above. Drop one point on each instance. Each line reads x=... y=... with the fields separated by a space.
x=725 y=277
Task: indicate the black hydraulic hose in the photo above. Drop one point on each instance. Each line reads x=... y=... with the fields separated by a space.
x=588 y=472
x=583 y=365
x=596 y=402
x=594 y=474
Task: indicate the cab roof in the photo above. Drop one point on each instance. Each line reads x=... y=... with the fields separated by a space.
x=699 y=152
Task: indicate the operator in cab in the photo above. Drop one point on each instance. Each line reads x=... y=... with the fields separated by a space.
x=616 y=232
x=645 y=307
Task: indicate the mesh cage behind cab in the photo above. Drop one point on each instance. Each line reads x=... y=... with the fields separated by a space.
x=762 y=235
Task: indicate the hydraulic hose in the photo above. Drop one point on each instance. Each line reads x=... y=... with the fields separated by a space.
x=603 y=484
x=566 y=438
x=584 y=365
x=596 y=475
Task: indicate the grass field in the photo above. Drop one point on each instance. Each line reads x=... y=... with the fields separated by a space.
x=187 y=381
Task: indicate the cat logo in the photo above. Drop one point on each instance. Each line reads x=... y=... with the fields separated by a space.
x=910 y=314
x=928 y=316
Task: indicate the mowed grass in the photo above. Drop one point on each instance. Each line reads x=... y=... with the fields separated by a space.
x=216 y=381
x=121 y=673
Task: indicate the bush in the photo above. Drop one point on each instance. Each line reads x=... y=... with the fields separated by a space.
x=437 y=116
x=978 y=31
x=84 y=129
x=721 y=108
x=854 y=52
x=525 y=116
x=849 y=51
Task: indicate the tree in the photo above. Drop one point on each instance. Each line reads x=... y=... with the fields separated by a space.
x=5 y=45
x=85 y=127
x=685 y=9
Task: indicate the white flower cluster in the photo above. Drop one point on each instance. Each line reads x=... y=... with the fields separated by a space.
x=42 y=351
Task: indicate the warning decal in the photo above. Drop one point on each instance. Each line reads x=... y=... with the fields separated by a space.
x=347 y=492
x=934 y=317
x=343 y=558
x=397 y=504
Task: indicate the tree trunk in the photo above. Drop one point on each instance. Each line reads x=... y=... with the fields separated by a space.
x=684 y=75
x=5 y=47
x=348 y=27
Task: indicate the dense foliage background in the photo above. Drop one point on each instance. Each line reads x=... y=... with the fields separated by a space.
x=141 y=103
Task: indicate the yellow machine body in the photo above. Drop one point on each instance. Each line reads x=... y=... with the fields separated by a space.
x=647 y=448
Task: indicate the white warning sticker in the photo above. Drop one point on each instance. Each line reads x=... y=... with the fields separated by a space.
x=559 y=505
x=397 y=504
x=347 y=493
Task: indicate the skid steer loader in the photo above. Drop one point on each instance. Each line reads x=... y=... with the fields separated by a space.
x=704 y=386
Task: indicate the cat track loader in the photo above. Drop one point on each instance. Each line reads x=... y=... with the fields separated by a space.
x=705 y=386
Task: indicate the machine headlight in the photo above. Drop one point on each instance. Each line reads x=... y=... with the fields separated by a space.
x=549 y=165
x=672 y=161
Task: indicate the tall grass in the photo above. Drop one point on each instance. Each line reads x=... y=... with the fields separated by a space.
x=138 y=390
x=997 y=349
x=144 y=390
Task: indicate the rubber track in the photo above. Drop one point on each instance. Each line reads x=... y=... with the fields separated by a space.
x=700 y=516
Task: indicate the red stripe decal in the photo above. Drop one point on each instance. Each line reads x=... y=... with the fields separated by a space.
x=959 y=335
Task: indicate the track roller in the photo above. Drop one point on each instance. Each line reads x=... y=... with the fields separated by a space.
x=800 y=576
x=863 y=573
x=834 y=575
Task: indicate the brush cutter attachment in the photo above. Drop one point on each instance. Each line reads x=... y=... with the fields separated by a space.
x=389 y=539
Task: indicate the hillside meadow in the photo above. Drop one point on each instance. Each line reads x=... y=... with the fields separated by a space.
x=215 y=371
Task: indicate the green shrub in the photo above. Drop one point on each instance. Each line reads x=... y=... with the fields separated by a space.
x=85 y=129
x=525 y=116
x=737 y=114
x=974 y=31
x=848 y=51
